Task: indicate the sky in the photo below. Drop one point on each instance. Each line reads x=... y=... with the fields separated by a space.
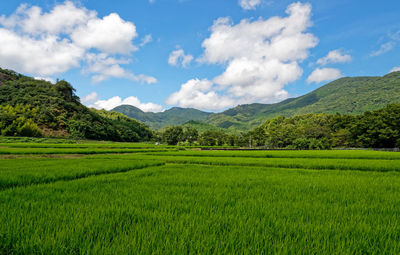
x=205 y=54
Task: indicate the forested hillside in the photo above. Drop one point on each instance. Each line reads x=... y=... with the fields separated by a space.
x=346 y=96
x=30 y=107
x=170 y=117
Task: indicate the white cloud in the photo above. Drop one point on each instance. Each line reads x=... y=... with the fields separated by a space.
x=110 y=34
x=386 y=47
x=104 y=67
x=178 y=57
x=249 y=4
x=393 y=40
x=261 y=56
x=324 y=74
x=334 y=56
x=63 y=18
x=91 y=98
x=41 y=57
x=48 y=43
x=199 y=94
x=147 y=39
x=49 y=79
x=395 y=69
x=134 y=101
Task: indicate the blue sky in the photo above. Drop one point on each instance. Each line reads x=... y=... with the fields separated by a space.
x=208 y=54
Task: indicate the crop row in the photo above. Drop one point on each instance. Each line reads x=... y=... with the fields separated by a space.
x=193 y=209
x=304 y=163
x=26 y=171
x=333 y=154
x=84 y=145
x=41 y=151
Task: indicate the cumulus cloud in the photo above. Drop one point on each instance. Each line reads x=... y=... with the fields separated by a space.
x=41 y=57
x=249 y=4
x=386 y=47
x=178 y=57
x=91 y=98
x=395 y=69
x=49 y=79
x=199 y=94
x=63 y=18
x=113 y=102
x=324 y=74
x=104 y=67
x=47 y=43
x=261 y=57
x=334 y=56
x=110 y=34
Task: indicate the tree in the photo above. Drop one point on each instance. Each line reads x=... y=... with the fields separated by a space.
x=190 y=135
x=173 y=135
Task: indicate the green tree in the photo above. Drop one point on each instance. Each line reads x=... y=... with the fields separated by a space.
x=173 y=135
x=190 y=135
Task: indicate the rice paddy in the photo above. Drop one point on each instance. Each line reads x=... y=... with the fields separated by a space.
x=145 y=199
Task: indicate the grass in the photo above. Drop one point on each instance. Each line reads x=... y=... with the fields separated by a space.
x=382 y=165
x=27 y=171
x=163 y=201
x=333 y=154
x=41 y=151
x=179 y=209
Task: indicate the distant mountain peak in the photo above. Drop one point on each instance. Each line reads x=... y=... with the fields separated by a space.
x=351 y=95
x=170 y=117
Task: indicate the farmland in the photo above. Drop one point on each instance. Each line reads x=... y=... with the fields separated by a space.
x=131 y=198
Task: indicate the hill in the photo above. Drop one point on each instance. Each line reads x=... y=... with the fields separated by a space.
x=30 y=107
x=159 y=120
x=346 y=96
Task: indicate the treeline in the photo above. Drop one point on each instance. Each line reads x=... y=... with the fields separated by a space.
x=189 y=136
x=376 y=129
x=30 y=107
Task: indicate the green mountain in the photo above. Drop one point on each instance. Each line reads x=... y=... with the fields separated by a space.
x=159 y=120
x=30 y=107
x=202 y=126
x=346 y=96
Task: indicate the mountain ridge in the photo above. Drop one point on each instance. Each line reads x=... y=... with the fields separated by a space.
x=159 y=120
x=30 y=107
x=347 y=95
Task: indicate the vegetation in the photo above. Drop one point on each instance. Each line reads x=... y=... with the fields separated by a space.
x=376 y=129
x=34 y=108
x=14 y=172
x=30 y=107
x=308 y=202
x=345 y=96
x=171 y=117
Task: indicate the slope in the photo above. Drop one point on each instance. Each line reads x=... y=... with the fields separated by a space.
x=30 y=107
x=159 y=120
x=346 y=95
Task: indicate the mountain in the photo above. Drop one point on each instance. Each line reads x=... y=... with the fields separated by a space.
x=159 y=120
x=30 y=107
x=346 y=96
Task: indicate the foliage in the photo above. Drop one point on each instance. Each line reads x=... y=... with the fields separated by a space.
x=17 y=121
x=250 y=202
x=345 y=96
x=56 y=111
x=376 y=129
x=173 y=135
x=171 y=117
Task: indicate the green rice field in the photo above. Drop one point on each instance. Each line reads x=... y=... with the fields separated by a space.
x=121 y=198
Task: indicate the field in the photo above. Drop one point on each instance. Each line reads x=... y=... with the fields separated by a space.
x=118 y=198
